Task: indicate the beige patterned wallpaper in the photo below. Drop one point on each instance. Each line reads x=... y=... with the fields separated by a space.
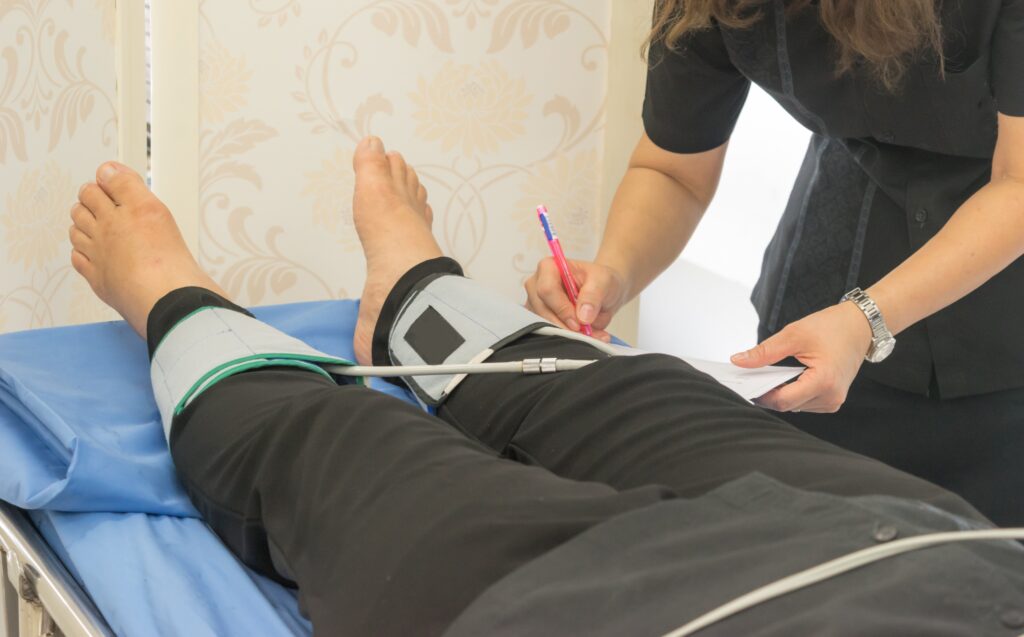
x=500 y=104
x=57 y=123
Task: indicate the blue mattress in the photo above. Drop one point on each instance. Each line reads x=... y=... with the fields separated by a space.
x=81 y=447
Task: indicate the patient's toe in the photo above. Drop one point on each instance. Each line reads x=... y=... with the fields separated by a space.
x=79 y=240
x=82 y=264
x=83 y=218
x=412 y=181
x=94 y=199
x=123 y=185
x=370 y=158
x=399 y=169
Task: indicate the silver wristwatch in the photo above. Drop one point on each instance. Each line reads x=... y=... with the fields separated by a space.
x=882 y=340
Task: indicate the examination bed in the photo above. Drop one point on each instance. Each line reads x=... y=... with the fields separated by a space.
x=97 y=536
x=91 y=502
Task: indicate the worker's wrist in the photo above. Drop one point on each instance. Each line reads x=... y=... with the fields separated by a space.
x=859 y=325
x=892 y=307
x=621 y=270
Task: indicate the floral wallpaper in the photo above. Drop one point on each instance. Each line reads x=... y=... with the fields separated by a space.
x=498 y=103
x=57 y=123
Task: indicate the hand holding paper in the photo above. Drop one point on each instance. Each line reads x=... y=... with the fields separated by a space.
x=748 y=383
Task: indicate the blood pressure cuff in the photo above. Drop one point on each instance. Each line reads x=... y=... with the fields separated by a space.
x=451 y=320
x=214 y=343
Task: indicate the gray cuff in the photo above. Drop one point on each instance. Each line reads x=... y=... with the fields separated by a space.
x=453 y=320
x=212 y=344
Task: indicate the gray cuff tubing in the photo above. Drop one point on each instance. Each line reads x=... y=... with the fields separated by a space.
x=453 y=320
x=212 y=344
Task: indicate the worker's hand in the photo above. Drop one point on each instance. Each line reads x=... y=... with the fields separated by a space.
x=832 y=344
x=602 y=293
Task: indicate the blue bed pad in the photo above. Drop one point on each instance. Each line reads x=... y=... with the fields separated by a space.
x=82 y=447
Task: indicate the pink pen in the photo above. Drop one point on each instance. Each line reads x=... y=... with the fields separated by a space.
x=568 y=282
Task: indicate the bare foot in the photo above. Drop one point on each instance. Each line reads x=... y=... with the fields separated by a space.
x=128 y=247
x=393 y=220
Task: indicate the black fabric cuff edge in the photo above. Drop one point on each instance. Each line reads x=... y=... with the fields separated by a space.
x=178 y=304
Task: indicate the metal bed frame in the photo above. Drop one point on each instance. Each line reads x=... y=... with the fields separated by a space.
x=38 y=596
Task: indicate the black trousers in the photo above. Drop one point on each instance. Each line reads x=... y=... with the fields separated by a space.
x=392 y=521
x=971 y=446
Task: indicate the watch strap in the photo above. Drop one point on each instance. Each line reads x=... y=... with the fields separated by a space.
x=879 y=330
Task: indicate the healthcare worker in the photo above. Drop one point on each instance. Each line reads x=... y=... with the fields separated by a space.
x=895 y=273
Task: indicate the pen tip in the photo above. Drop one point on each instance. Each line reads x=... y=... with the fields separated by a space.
x=542 y=210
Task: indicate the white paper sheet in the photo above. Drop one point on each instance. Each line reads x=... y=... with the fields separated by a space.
x=748 y=383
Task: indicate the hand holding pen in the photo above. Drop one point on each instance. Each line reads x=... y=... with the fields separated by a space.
x=568 y=282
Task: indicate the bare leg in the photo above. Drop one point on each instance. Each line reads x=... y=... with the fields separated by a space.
x=393 y=220
x=128 y=247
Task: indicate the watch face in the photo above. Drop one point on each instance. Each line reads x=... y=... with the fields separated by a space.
x=881 y=350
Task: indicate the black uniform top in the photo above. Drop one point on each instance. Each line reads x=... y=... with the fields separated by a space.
x=884 y=172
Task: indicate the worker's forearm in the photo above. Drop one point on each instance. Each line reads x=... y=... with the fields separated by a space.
x=652 y=218
x=980 y=240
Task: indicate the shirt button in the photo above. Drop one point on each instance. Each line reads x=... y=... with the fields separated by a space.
x=1012 y=618
x=921 y=216
x=885 y=533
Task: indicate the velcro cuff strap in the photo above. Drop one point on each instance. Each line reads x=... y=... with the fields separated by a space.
x=453 y=320
x=212 y=344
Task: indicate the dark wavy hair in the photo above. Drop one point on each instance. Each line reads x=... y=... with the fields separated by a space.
x=885 y=35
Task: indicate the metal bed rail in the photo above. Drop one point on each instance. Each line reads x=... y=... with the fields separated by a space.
x=38 y=596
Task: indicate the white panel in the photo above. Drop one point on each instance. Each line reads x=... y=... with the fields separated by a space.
x=694 y=312
x=700 y=306
x=132 y=84
x=175 y=110
x=765 y=154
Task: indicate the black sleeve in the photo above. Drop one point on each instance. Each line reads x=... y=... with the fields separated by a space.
x=1008 y=59
x=694 y=94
